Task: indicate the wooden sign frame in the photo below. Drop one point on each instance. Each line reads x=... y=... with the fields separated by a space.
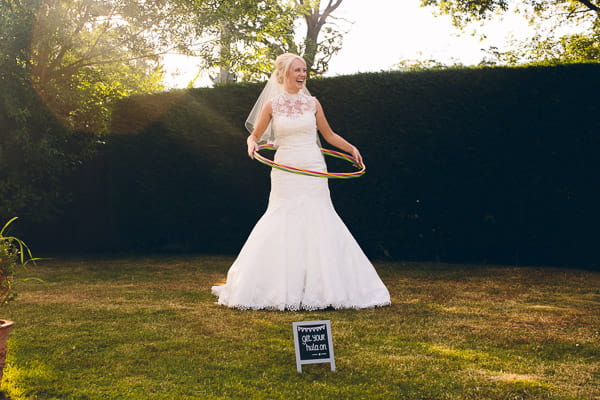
x=313 y=343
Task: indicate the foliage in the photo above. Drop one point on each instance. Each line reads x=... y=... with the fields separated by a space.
x=13 y=251
x=318 y=19
x=242 y=38
x=422 y=65
x=84 y=54
x=36 y=153
x=62 y=66
x=548 y=45
x=567 y=49
x=465 y=11
x=452 y=332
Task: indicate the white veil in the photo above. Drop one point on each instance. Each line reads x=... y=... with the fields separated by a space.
x=271 y=90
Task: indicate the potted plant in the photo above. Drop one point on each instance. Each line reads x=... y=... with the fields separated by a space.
x=14 y=253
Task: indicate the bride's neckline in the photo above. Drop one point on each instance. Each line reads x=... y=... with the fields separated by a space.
x=291 y=95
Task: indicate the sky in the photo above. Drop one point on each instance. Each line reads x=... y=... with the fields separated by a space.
x=388 y=31
x=385 y=32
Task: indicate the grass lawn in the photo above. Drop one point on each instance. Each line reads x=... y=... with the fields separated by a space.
x=148 y=328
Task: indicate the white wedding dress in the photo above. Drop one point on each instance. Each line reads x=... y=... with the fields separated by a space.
x=300 y=255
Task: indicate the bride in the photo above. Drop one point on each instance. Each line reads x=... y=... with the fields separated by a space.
x=300 y=255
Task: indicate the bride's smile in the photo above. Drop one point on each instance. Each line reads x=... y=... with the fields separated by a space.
x=296 y=76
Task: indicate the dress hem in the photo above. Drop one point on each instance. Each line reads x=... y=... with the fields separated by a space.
x=305 y=307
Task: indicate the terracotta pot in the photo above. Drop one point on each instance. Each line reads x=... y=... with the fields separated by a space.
x=5 y=326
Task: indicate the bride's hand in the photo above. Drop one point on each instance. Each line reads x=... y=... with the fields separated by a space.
x=357 y=156
x=252 y=146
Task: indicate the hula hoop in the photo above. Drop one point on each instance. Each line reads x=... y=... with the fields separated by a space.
x=319 y=174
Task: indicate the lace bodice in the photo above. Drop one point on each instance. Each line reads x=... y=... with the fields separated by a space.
x=294 y=120
x=292 y=105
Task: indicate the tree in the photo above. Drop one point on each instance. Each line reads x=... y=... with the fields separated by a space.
x=421 y=65
x=34 y=148
x=242 y=37
x=85 y=54
x=547 y=16
x=318 y=20
x=574 y=48
x=62 y=64
x=466 y=11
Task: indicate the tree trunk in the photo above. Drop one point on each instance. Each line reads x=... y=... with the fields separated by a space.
x=315 y=19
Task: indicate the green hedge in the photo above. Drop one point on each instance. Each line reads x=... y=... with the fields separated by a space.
x=490 y=165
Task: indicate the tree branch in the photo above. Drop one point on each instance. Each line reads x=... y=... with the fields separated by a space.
x=88 y=63
x=590 y=5
x=65 y=46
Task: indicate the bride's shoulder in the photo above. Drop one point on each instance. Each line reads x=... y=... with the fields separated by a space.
x=311 y=99
x=315 y=102
x=268 y=105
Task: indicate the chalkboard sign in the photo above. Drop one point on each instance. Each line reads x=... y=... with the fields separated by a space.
x=313 y=343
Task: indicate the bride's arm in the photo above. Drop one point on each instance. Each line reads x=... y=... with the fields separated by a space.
x=332 y=137
x=261 y=124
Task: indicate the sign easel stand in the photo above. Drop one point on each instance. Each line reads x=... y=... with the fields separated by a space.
x=313 y=343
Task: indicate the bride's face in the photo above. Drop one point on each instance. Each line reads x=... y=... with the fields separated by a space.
x=296 y=76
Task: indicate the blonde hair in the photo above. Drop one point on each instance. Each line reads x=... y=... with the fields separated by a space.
x=282 y=65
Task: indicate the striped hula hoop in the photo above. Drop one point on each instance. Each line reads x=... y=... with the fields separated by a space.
x=330 y=175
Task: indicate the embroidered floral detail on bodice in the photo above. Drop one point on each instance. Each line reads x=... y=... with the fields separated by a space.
x=294 y=122
x=292 y=105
